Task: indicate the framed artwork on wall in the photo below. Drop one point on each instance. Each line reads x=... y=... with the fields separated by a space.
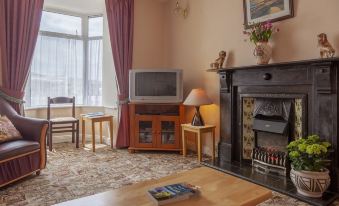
x=256 y=11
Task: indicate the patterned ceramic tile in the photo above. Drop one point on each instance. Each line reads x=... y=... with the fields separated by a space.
x=247 y=123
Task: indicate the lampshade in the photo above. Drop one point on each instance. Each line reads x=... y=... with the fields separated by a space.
x=197 y=97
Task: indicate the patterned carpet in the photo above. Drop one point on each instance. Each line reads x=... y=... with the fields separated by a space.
x=72 y=174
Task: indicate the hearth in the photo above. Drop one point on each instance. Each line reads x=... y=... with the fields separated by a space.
x=302 y=100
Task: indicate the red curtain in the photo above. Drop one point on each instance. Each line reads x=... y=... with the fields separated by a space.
x=120 y=15
x=19 y=27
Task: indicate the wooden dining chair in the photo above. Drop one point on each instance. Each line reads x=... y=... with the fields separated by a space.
x=62 y=124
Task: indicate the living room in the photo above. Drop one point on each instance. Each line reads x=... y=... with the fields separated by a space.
x=89 y=48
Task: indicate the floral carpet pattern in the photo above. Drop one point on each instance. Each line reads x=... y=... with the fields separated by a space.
x=73 y=173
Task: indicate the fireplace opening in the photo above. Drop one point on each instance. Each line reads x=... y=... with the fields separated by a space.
x=272 y=132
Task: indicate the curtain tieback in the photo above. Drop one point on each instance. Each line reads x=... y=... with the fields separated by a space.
x=11 y=98
x=122 y=100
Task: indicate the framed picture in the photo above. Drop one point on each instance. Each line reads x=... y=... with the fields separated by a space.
x=256 y=11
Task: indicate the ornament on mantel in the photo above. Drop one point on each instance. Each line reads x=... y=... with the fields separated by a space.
x=326 y=49
x=259 y=34
x=220 y=61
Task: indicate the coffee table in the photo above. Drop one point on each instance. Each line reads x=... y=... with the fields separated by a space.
x=217 y=188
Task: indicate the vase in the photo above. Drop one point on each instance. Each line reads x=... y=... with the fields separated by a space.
x=263 y=52
x=310 y=184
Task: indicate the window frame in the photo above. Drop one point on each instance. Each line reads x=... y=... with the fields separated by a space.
x=84 y=37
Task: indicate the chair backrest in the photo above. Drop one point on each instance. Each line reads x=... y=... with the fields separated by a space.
x=60 y=100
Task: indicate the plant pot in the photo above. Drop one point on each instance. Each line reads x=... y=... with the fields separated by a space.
x=263 y=52
x=310 y=184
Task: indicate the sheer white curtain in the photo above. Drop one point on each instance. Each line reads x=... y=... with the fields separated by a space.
x=67 y=60
x=94 y=72
x=56 y=70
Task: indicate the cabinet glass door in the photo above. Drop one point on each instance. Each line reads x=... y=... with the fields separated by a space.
x=145 y=132
x=168 y=132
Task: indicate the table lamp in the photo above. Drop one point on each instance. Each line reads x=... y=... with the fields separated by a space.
x=197 y=98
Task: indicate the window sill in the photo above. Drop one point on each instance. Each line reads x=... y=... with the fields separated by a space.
x=68 y=106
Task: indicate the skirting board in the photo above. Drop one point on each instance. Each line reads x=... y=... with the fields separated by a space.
x=68 y=138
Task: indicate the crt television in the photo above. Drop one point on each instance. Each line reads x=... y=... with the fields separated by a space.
x=156 y=86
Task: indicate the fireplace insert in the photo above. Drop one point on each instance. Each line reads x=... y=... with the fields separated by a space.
x=272 y=132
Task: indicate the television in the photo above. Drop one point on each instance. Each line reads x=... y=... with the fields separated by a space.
x=156 y=86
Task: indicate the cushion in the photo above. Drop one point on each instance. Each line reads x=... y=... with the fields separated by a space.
x=7 y=130
x=15 y=148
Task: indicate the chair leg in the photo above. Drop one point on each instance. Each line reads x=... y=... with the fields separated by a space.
x=73 y=131
x=50 y=136
x=47 y=137
x=77 y=135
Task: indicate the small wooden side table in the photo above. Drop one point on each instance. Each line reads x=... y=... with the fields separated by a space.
x=199 y=130
x=93 y=120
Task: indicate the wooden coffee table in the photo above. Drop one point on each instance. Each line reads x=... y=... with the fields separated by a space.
x=217 y=188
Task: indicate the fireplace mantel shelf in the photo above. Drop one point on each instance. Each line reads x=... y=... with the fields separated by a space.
x=280 y=64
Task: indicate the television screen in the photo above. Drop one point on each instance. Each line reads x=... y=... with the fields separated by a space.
x=156 y=84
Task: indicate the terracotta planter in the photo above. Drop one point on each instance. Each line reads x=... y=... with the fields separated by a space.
x=311 y=184
x=263 y=52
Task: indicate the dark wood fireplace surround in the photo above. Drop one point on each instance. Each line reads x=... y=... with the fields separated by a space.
x=314 y=80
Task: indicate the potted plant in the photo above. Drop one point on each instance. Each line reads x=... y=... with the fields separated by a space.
x=309 y=160
x=259 y=34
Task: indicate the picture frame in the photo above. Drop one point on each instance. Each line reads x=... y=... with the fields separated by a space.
x=256 y=11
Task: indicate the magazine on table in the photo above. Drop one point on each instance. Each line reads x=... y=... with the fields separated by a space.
x=173 y=193
x=94 y=114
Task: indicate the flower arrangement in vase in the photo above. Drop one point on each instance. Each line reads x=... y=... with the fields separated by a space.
x=259 y=34
x=309 y=160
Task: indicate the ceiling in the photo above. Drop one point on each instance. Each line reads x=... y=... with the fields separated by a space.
x=79 y=6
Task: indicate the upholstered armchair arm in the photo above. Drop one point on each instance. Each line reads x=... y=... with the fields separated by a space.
x=30 y=128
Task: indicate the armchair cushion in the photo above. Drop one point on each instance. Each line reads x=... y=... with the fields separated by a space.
x=17 y=148
x=7 y=130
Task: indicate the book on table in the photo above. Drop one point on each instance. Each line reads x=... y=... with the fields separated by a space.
x=94 y=114
x=173 y=193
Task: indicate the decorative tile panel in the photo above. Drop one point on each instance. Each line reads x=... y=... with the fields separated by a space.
x=298 y=113
x=247 y=130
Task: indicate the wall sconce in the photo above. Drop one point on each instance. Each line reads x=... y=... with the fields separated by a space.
x=180 y=11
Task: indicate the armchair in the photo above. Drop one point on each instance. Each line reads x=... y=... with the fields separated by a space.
x=21 y=158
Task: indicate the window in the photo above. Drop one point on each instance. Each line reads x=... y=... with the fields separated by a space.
x=60 y=23
x=67 y=60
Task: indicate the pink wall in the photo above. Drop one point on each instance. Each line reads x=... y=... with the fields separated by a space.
x=149 y=38
x=211 y=26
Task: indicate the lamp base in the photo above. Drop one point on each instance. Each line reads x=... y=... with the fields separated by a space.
x=197 y=119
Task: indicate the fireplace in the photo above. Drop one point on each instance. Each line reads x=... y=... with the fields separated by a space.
x=264 y=107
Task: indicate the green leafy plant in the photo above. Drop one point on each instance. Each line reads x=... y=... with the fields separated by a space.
x=260 y=32
x=309 y=154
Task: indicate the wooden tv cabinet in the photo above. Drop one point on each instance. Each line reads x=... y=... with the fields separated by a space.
x=155 y=126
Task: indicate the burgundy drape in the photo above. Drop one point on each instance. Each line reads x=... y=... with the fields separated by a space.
x=120 y=15
x=19 y=27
